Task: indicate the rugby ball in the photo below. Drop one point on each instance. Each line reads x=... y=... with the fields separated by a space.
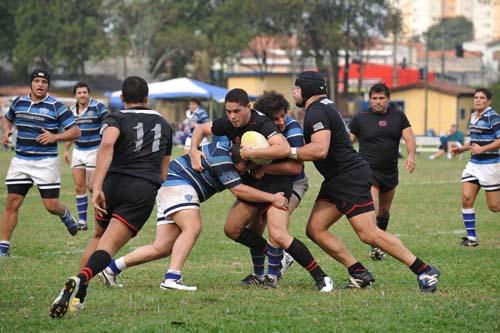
x=255 y=140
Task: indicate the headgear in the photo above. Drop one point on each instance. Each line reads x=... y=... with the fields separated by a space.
x=310 y=83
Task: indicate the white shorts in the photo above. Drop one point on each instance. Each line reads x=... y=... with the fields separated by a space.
x=486 y=175
x=43 y=173
x=83 y=159
x=300 y=188
x=187 y=143
x=171 y=199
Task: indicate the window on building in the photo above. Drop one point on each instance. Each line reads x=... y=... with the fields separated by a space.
x=462 y=114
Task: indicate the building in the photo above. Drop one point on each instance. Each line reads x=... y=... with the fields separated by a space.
x=419 y=15
x=446 y=104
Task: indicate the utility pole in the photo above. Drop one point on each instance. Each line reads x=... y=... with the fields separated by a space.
x=347 y=40
x=442 y=33
x=426 y=82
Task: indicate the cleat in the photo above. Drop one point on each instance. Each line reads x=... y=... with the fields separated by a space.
x=469 y=242
x=377 y=254
x=360 y=280
x=176 y=285
x=252 y=280
x=82 y=225
x=285 y=264
x=325 y=285
x=109 y=278
x=269 y=282
x=71 y=224
x=76 y=305
x=428 y=281
x=62 y=302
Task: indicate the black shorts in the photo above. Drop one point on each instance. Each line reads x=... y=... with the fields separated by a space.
x=385 y=181
x=130 y=200
x=270 y=184
x=349 y=191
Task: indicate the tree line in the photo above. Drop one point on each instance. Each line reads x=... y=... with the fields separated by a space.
x=198 y=38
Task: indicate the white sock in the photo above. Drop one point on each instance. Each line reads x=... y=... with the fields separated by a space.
x=120 y=263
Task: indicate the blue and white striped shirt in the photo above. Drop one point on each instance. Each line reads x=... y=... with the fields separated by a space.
x=30 y=118
x=90 y=122
x=295 y=137
x=218 y=172
x=484 y=130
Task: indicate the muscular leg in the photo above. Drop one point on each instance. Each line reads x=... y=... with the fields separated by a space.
x=323 y=215
x=54 y=206
x=10 y=214
x=493 y=200
x=89 y=178
x=80 y=181
x=189 y=221
x=364 y=225
x=469 y=195
x=166 y=235
x=238 y=218
x=91 y=245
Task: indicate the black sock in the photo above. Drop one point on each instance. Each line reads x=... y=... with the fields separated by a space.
x=356 y=268
x=253 y=240
x=301 y=254
x=383 y=221
x=98 y=261
x=82 y=292
x=419 y=267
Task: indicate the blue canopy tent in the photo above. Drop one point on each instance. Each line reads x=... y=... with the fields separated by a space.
x=175 y=89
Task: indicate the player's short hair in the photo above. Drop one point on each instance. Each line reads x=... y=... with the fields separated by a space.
x=134 y=89
x=271 y=102
x=237 y=95
x=195 y=100
x=81 y=84
x=380 y=88
x=485 y=91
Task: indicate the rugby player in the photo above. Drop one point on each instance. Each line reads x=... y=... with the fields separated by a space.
x=345 y=189
x=132 y=162
x=39 y=118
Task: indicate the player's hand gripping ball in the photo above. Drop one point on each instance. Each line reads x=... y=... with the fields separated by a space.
x=255 y=140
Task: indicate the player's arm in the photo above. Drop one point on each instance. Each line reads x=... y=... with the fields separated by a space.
x=278 y=148
x=47 y=137
x=104 y=157
x=247 y=193
x=353 y=137
x=477 y=149
x=200 y=132
x=7 y=128
x=459 y=150
x=411 y=148
x=317 y=149
x=67 y=146
x=288 y=167
x=164 y=167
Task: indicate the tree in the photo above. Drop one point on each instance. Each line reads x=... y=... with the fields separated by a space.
x=58 y=34
x=7 y=27
x=457 y=30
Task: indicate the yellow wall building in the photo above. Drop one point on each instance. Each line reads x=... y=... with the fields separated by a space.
x=447 y=105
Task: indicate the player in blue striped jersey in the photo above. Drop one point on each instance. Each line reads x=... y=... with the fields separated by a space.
x=275 y=106
x=195 y=115
x=89 y=114
x=178 y=205
x=41 y=121
x=483 y=169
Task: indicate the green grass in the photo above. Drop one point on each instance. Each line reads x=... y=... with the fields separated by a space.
x=426 y=216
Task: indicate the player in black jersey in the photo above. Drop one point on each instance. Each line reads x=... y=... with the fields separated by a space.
x=379 y=130
x=239 y=119
x=132 y=162
x=345 y=189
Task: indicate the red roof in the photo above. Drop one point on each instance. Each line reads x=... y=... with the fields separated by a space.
x=383 y=74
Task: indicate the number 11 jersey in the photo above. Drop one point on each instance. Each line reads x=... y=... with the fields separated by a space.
x=145 y=138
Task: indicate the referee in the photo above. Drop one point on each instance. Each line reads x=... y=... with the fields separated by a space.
x=379 y=130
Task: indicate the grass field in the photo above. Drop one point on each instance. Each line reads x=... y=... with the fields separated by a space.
x=426 y=216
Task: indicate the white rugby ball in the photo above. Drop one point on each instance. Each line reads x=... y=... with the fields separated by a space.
x=256 y=140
